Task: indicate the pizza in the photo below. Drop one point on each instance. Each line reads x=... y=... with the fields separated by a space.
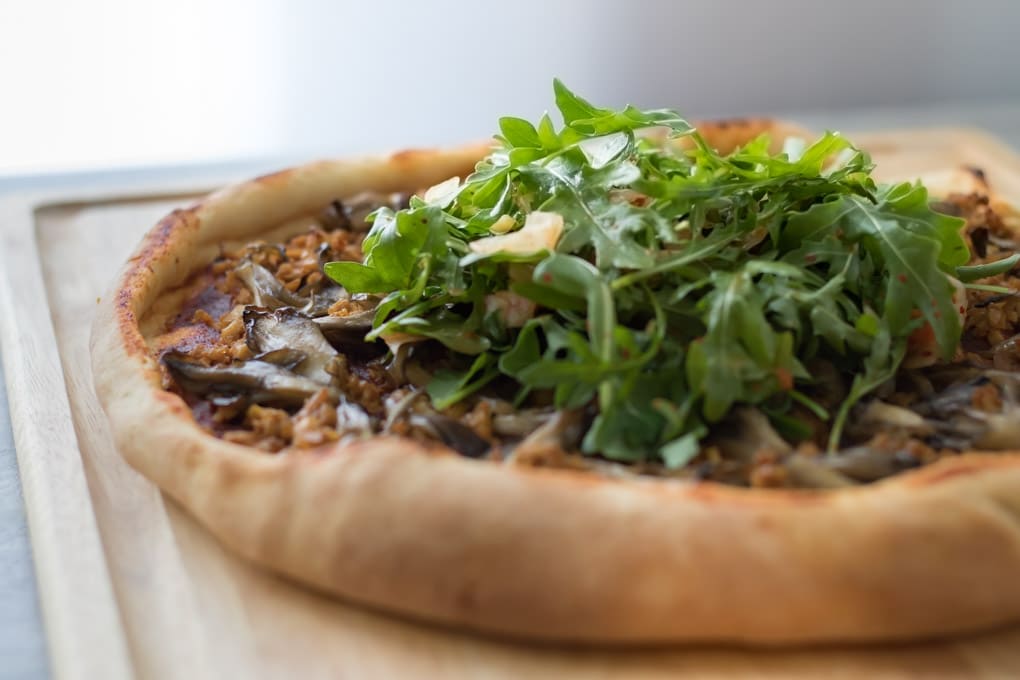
x=624 y=380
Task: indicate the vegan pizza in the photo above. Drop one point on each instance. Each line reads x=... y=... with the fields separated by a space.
x=620 y=380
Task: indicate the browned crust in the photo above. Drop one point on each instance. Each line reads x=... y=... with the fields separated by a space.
x=727 y=134
x=544 y=553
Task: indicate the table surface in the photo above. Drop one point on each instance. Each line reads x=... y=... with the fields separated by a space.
x=22 y=642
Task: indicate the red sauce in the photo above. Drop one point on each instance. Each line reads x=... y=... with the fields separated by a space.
x=209 y=299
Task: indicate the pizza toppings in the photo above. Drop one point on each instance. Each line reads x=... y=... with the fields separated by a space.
x=287 y=329
x=600 y=298
x=540 y=233
x=266 y=380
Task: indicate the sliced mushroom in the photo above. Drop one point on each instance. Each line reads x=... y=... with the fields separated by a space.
x=745 y=432
x=878 y=414
x=1007 y=381
x=453 y=433
x=1001 y=430
x=398 y=404
x=919 y=383
x=286 y=357
x=951 y=418
x=356 y=323
x=265 y=288
x=268 y=292
x=325 y=292
x=942 y=376
x=336 y=216
x=562 y=432
x=223 y=400
x=262 y=382
x=321 y=299
x=1006 y=354
x=352 y=419
x=811 y=472
x=865 y=464
x=1004 y=243
x=413 y=406
x=350 y=330
x=952 y=400
x=522 y=423
x=959 y=432
x=565 y=428
x=352 y=213
x=415 y=374
x=286 y=328
x=400 y=345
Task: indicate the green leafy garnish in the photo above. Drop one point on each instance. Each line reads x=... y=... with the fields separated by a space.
x=683 y=283
x=981 y=271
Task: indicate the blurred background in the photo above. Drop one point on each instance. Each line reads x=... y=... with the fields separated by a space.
x=105 y=83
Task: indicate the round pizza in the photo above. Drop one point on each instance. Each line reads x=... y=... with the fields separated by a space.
x=622 y=379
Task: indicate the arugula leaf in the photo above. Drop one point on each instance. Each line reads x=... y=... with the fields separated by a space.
x=357 y=277
x=981 y=271
x=682 y=450
x=585 y=223
x=685 y=281
x=518 y=132
x=580 y=116
x=448 y=387
x=910 y=240
x=880 y=365
x=392 y=250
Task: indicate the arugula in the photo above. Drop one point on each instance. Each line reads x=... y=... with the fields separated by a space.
x=980 y=271
x=684 y=282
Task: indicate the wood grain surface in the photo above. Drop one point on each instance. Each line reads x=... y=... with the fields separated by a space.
x=22 y=645
x=131 y=586
x=83 y=626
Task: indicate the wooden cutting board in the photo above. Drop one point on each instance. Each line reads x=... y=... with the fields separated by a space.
x=131 y=587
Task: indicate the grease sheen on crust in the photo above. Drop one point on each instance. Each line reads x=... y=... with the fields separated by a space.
x=549 y=554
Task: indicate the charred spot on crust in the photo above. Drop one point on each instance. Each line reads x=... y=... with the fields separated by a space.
x=157 y=246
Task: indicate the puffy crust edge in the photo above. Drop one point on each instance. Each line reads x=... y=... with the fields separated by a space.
x=549 y=554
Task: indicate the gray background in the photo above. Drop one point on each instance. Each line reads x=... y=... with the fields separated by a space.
x=113 y=82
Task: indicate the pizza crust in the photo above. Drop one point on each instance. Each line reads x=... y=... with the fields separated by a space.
x=537 y=553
